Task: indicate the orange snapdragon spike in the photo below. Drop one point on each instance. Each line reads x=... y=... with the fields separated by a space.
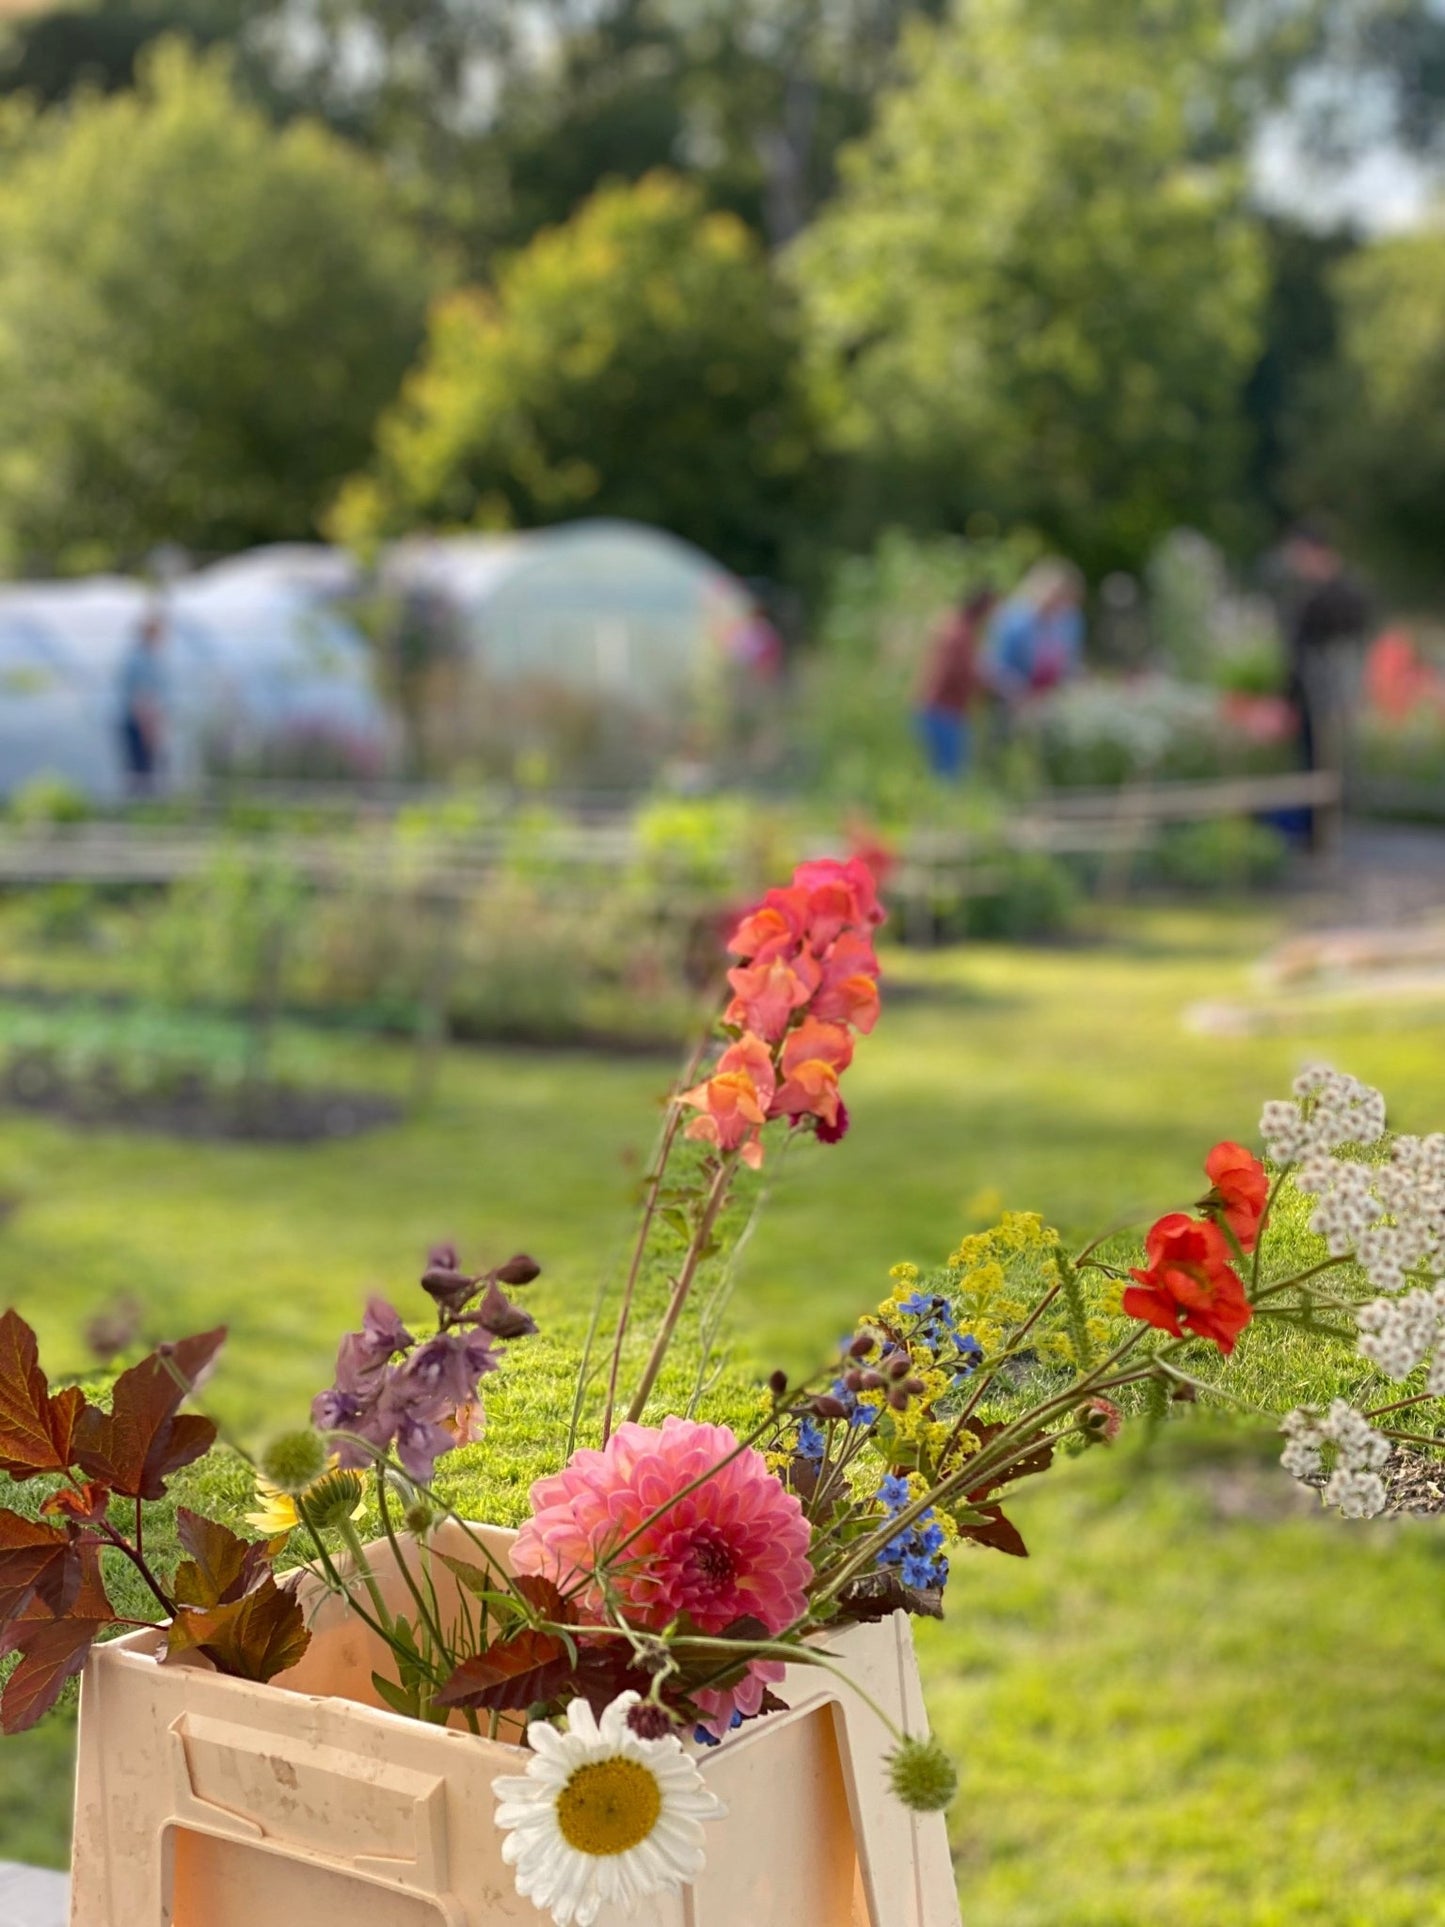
x=734 y=1102
x=775 y=929
x=1241 y=1190
x=830 y=1043
x=767 y=994
x=1189 y=1283
x=810 y=1091
x=849 y=1000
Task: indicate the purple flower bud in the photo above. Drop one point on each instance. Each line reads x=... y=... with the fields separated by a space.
x=449 y=1287
x=498 y=1315
x=443 y=1257
x=518 y=1271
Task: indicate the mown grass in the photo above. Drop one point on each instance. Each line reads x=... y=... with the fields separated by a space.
x=1168 y=1713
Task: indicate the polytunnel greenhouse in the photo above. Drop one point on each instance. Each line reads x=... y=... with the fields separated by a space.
x=258 y=676
x=605 y=646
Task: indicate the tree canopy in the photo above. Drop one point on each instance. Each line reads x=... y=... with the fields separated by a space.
x=200 y=320
x=1371 y=439
x=1036 y=294
x=637 y=361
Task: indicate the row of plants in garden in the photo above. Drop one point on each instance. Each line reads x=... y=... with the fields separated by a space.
x=550 y=948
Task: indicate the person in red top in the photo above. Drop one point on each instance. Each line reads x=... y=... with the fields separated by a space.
x=950 y=683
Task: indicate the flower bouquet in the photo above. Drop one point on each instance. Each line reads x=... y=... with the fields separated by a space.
x=678 y=1575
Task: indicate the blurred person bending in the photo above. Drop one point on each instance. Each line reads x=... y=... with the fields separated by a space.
x=1036 y=640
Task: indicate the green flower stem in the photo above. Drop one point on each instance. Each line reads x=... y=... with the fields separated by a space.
x=975 y=1397
x=1300 y=1277
x=433 y=1630
x=1263 y=1226
x=352 y=1538
x=381 y=1627
x=716 y=1198
x=1402 y=1404
x=671 y=1126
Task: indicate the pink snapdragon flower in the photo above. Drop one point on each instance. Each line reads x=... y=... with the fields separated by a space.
x=735 y=1547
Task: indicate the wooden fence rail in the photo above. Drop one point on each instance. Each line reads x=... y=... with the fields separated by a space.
x=1110 y=823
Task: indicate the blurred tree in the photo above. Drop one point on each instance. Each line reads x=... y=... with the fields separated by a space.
x=48 y=52
x=200 y=320
x=637 y=361
x=515 y=114
x=1370 y=439
x=1032 y=297
x=1300 y=334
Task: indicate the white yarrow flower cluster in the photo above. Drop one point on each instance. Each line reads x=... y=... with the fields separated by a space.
x=1360 y=1453
x=1329 y=1109
x=1397 y=1334
x=1391 y=1215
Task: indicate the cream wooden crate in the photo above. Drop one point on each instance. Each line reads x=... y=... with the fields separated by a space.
x=210 y=1802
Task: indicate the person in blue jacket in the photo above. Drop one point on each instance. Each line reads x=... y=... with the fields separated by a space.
x=1036 y=639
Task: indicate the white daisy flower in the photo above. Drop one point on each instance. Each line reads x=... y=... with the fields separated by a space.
x=602 y=1815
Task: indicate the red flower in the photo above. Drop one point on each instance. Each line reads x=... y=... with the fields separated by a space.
x=1189 y=1283
x=1241 y=1190
x=840 y=896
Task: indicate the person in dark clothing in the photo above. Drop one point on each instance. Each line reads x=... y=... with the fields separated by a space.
x=1326 y=630
x=950 y=685
x=1326 y=623
x=144 y=706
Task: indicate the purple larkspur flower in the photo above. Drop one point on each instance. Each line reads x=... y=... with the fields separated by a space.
x=443 y=1373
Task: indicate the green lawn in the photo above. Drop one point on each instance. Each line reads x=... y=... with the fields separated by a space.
x=1171 y=1713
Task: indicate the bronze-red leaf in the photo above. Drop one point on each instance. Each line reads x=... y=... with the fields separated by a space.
x=37 y=1562
x=222 y=1567
x=254 y=1637
x=510 y=1675
x=140 y=1441
x=36 y=1428
x=52 y=1651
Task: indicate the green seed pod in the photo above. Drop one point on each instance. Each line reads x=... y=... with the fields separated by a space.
x=923 y=1776
x=294 y=1461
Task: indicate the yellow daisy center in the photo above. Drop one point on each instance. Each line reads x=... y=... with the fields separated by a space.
x=610 y=1806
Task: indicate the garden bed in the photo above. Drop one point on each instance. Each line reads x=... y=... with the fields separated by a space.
x=190 y=1108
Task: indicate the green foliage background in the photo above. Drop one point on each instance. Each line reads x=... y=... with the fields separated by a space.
x=200 y=319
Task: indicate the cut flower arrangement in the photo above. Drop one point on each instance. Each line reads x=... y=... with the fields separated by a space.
x=672 y=1569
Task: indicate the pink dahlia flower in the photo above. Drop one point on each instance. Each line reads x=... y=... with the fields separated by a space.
x=735 y=1548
